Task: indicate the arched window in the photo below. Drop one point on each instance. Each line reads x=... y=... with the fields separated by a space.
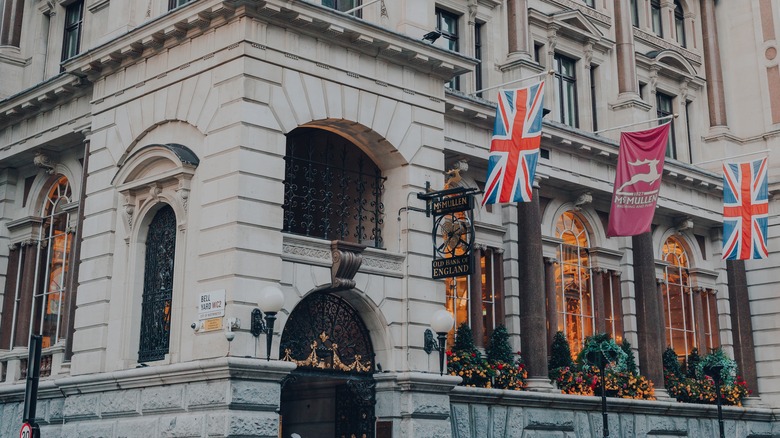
x=54 y=249
x=573 y=283
x=678 y=298
x=679 y=23
x=37 y=286
x=332 y=189
x=157 y=295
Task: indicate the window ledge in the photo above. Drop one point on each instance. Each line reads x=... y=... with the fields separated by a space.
x=315 y=251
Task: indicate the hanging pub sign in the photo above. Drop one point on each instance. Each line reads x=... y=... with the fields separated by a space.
x=453 y=231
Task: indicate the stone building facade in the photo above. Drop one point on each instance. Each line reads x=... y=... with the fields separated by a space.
x=156 y=156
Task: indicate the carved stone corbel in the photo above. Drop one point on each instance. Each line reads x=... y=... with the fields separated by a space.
x=44 y=162
x=346 y=262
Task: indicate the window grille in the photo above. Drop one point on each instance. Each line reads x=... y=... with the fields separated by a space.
x=332 y=189
x=158 y=286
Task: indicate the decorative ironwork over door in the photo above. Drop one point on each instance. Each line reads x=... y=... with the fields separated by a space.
x=158 y=286
x=324 y=332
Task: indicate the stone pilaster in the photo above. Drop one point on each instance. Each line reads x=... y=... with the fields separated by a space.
x=552 y=302
x=417 y=404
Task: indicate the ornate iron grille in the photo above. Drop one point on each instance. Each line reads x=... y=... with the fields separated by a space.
x=355 y=402
x=332 y=189
x=325 y=333
x=158 y=286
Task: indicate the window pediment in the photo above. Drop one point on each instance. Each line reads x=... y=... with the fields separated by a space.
x=577 y=25
x=671 y=60
x=156 y=173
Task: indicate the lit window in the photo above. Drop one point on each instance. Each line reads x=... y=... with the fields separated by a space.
x=460 y=297
x=678 y=299
x=573 y=288
x=566 y=87
x=48 y=260
x=655 y=17
x=74 y=15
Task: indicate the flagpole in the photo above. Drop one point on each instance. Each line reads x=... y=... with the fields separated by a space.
x=733 y=156
x=550 y=72
x=675 y=115
x=357 y=8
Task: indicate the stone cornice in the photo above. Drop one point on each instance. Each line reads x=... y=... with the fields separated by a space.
x=144 y=377
x=199 y=17
x=586 y=10
x=42 y=96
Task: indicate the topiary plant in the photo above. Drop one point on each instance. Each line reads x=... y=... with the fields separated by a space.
x=498 y=349
x=692 y=363
x=601 y=344
x=630 y=358
x=560 y=352
x=671 y=364
x=464 y=339
x=728 y=373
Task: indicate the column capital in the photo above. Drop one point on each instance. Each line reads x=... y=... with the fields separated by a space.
x=550 y=260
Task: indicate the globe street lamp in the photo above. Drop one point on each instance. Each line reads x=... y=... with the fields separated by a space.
x=441 y=323
x=271 y=301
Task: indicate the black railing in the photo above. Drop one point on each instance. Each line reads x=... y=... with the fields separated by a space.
x=332 y=190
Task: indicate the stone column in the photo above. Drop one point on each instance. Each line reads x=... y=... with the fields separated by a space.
x=532 y=293
x=599 y=305
x=712 y=67
x=741 y=325
x=517 y=28
x=650 y=322
x=699 y=320
x=418 y=404
x=475 y=298
x=617 y=303
x=624 y=45
x=552 y=302
x=25 y=313
x=498 y=286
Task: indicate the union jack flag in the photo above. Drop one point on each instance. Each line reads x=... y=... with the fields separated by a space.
x=514 y=148
x=745 y=210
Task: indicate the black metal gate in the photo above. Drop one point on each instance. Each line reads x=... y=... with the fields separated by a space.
x=326 y=337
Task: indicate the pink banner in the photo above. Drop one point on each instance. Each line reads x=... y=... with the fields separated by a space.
x=637 y=181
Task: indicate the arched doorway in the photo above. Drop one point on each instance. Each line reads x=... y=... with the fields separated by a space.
x=331 y=393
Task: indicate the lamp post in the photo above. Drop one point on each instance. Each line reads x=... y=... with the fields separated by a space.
x=603 y=358
x=441 y=323
x=271 y=301
x=714 y=372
